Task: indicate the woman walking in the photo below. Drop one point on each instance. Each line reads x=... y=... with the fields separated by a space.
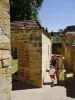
x=61 y=75
x=52 y=71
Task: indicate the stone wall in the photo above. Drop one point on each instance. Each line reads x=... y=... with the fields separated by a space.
x=29 y=51
x=69 y=52
x=5 y=76
x=74 y=65
x=69 y=58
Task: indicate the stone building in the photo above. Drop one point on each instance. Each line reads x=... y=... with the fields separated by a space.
x=26 y=37
x=68 y=46
x=5 y=76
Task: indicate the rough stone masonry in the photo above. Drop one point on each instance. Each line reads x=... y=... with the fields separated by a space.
x=27 y=38
x=5 y=76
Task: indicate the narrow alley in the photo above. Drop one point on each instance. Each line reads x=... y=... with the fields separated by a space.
x=66 y=92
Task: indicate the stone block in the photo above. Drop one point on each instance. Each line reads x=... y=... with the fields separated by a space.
x=35 y=56
x=24 y=65
x=0 y=64
x=38 y=83
x=39 y=50
x=40 y=44
x=6 y=54
x=25 y=41
x=27 y=31
x=32 y=76
x=1 y=54
x=37 y=38
x=5 y=46
x=31 y=37
x=21 y=73
x=34 y=31
x=37 y=70
x=35 y=44
x=5 y=63
x=35 y=65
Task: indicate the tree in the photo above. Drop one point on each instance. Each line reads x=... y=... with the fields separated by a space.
x=46 y=30
x=60 y=30
x=52 y=33
x=24 y=9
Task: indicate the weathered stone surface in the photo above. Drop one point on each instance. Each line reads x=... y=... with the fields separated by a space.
x=31 y=37
x=6 y=54
x=37 y=38
x=6 y=63
x=28 y=44
x=5 y=75
x=40 y=44
x=5 y=46
x=69 y=51
x=0 y=64
x=34 y=44
x=39 y=50
x=5 y=84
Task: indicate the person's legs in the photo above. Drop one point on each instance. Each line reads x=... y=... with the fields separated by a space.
x=58 y=80
x=52 y=80
x=61 y=77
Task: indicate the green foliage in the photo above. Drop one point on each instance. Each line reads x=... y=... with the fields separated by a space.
x=25 y=9
x=52 y=33
x=72 y=41
x=14 y=65
x=57 y=39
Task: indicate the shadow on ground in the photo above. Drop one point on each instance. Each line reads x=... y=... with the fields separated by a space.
x=18 y=85
x=70 y=87
x=47 y=83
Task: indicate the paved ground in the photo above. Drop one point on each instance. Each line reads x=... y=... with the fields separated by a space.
x=47 y=92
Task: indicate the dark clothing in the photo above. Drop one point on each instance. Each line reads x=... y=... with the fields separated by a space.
x=53 y=62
